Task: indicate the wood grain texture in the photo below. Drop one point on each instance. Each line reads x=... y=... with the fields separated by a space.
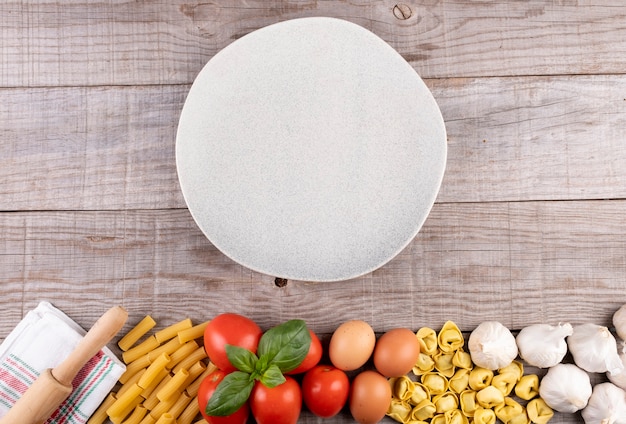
x=161 y=42
x=509 y=139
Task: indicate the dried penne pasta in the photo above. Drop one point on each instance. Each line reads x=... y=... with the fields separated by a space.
x=133 y=368
x=162 y=407
x=130 y=382
x=192 y=389
x=201 y=421
x=179 y=406
x=100 y=414
x=137 y=415
x=119 y=419
x=195 y=332
x=169 y=348
x=182 y=352
x=194 y=371
x=152 y=400
x=141 y=349
x=122 y=402
x=174 y=386
x=148 y=419
x=172 y=331
x=197 y=355
x=136 y=333
x=155 y=368
x=190 y=412
x=155 y=383
x=165 y=419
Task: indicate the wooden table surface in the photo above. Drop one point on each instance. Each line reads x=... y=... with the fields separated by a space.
x=528 y=227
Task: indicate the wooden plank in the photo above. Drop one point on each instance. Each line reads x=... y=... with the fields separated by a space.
x=76 y=148
x=163 y=42
x=518 y=263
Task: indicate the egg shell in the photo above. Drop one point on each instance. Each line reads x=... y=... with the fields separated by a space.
x=396 y=352
x=351 y=345
x=370 y=397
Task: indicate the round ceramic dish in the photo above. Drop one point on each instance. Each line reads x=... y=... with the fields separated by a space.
x=310 y=150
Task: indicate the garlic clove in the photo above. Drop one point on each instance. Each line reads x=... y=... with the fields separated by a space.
x=565 y=388
x=492 y=345
x=543 y=345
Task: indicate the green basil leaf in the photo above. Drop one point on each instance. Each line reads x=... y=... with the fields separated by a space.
x=272 y=377
x=230 y=395
x=241 y=358
x=286 y=345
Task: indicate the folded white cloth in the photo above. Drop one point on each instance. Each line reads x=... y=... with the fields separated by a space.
x=42 y=340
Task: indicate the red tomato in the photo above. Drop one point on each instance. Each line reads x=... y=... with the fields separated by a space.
x=325 y=390
x=312 y=358
x=232 y=329
x=279 y=405
x=206 y=390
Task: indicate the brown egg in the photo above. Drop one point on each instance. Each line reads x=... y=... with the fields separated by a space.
x=396 y=352
x=370 y=397
x=351 y=345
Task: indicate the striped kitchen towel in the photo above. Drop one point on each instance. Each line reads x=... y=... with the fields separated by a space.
x=42 y=340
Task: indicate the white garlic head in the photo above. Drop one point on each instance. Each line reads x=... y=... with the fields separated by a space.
x=492 y=345
x=607 y=405
x=619 y=378
x=594 y=349
x=543 y=345
x=565 y=388
x=619 y=322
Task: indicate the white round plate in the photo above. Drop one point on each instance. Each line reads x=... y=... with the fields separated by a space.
x=310 y=150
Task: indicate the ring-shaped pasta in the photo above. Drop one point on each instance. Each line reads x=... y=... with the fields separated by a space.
x=538 y=411
x=446 y=402
x=508 y=409
x=489 y=397
x=428 y=340
x=459 y=381
x=443 y=363
x=424 y=364
x=439 y=419
x=504 y=382
x=527 y=387
x=515 y=367
x=455 y=416
x=450 y=338
x=520 y=419
x=484 y=416
x=435 y=383
x=399 y=411
x=402 y=387
x=420 y=393
x=462 y=359
x=479 y=378
x=423 y=411
x=468 y=403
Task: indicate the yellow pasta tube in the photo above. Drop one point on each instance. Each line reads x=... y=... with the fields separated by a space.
x=133 y=368
x=162 y=407
x=152 y=400
x=155 y=368
x=179 y=406
x=174 y=386
x=148 y=419
x=100 y=415
x=172 y=331
x=128 y=384
x=192 y=389
x=136 y=333
x=123 y=401
x=138 y=413
x=165 y=419
x=194 y=371
x=169 y=348
x=197 y=355
x=195 y=332
x=182 y=352
x=141 y=349
x=155 y=383
x=118 y=419
x=201 y=421
x=190 y=412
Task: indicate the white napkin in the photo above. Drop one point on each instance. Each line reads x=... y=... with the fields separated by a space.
x=42 y=340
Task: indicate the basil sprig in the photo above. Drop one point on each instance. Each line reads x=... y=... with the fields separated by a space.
x=281 y=349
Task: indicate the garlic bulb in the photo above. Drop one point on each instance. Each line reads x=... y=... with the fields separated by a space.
x=594 y=349
x=619 y=322
x=607 y=405
x=565 y=388
x=492 y=346
x=619 y=378
x=543 y=345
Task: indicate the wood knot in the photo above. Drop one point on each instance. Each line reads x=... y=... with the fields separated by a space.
x=280 y=282
x=402 y=11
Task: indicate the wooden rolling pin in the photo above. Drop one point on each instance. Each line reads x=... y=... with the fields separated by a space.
x=54 y=385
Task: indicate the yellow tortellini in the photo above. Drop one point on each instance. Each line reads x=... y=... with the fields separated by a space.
x=447 y=388
x=527 y=387
x=428 y=340
x=538 y=411
x=450 y=338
